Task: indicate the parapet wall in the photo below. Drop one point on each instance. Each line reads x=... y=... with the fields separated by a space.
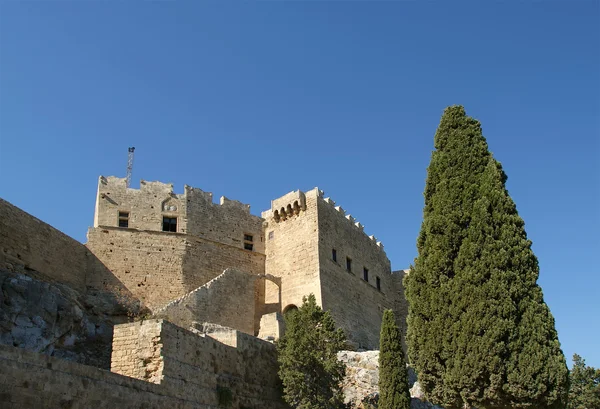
x=178 y=359
x=228 y=222
x=27 y=243
x=29 y=380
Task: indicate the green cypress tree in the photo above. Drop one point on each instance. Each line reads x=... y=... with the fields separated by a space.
x=479 y=331
x=393 y=376
x=584 y=392
x=307 y=353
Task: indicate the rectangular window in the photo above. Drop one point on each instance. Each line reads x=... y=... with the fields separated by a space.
x=334 y=255
x=170 y=224
x=271 y=235
x=124 y=219
x=248 y=238
x=349 y=264
x=378 y=280
x=365 y=274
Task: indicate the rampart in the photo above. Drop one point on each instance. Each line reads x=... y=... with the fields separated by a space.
x=56 y=297
x=30 y=246
x=197 y=365
x=164 y=366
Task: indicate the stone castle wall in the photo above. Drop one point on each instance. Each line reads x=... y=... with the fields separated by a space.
x=56 y=297
x=30 y=246
x=229 y=300
x=160 y=352
x=228 y=222
x=160 y=267
x=155 y=365
x=353 y=299
x=157 y=266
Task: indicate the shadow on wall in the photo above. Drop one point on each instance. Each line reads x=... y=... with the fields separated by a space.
x=57 y=297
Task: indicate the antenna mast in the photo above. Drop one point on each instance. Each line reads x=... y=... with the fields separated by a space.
x=129 y=165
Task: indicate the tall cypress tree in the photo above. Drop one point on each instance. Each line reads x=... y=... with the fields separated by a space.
x=393 y=376
x=479 y=332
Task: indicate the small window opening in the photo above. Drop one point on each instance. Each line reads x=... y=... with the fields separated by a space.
x=334 y=255
x=170 y=224
x=365 y=274
x=248 y=238
x=124 y=219
x=349 y=264
x=378 y=281
x=271 y=235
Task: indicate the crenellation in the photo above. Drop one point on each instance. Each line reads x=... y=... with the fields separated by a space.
x=234 y=203
x=350 y=218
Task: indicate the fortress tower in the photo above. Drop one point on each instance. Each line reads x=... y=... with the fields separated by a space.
x=315 y=247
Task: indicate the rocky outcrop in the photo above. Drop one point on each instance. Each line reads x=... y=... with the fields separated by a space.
x=57 y=320
x=361 y=384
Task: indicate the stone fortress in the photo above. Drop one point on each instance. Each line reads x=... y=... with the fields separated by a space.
x=164 y=247
x=208 y=285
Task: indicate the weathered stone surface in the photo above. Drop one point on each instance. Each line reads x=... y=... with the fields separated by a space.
x=56 y=320
x=228 y=299
x=362 y=378
x=198 y=362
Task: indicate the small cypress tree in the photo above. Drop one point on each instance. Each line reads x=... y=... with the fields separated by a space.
x=584 y=392
x=393 y=376
x=307 y=353
x=479 y=331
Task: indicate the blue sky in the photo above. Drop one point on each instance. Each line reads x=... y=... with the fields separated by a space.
x=255 y=99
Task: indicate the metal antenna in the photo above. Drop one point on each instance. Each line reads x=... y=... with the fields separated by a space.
x=129 y=165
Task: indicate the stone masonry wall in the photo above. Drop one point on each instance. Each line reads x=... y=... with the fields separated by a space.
x=355 y=303
x=29 y=380
x=178 y=359
x=30 y=246
x=159 y=267
x=149 y=264
x=228 y=222
x=292 y=247
x=228 y=299
x=146 y=206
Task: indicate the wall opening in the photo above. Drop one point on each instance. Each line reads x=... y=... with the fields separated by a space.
x=124 y=219
x=289 y=309
x=170 y=224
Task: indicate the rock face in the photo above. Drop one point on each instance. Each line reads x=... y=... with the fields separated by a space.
x=56 y=320
x=361 y=384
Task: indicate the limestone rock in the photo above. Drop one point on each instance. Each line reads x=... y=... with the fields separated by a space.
x=361 y=384
x=56 y=320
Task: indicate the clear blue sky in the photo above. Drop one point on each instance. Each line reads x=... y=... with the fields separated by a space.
x=252 y=100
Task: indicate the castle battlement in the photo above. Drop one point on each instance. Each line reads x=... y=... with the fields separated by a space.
x=355 y=224
x=287 y=205
x=108 y=183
